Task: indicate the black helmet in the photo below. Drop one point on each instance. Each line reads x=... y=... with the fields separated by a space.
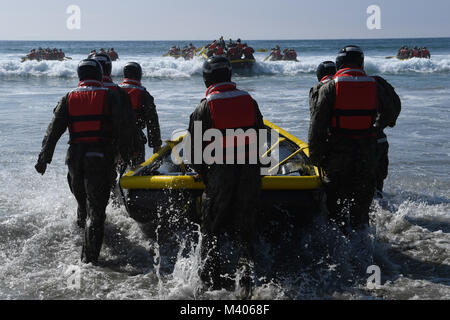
x=132 y=70
x=105 y=61
x=216 y=69
x=327 y=68
x=350 y=55
x=90 y=69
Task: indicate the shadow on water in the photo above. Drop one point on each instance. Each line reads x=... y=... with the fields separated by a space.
x=434 y=225
x=130 y=258
x=416 y=269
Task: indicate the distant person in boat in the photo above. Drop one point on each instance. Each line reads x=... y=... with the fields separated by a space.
x=97 y=129
x=275 y=54
x=174 y=51
x=212 y=49
x=192 y=47
x=289 y=55
x=222 y=43
x=220 y=51
x=350 y=111
x=426 y=53
x=61 y=54
x=92 y=54
x=32 y=55
x=113 y=54
x=232 y=191
x=240 y=47
x=248 y=52
x=232 y=53
x=145 y=110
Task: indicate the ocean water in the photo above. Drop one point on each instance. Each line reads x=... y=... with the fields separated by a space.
x=410 y=234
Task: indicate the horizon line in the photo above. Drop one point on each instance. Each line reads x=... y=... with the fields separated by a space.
x=318 y=39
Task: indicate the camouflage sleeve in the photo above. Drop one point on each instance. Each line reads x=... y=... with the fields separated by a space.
x=55 y=130
x=314 y=96
x=124 y=127
x=201 y=114
x=389 y=104
x=321 y=113
x=152 y=121
x=259 y=116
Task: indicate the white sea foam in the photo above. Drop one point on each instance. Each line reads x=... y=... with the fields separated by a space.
x=160 y=67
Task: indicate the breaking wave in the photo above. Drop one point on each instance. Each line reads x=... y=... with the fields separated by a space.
x=159 y=67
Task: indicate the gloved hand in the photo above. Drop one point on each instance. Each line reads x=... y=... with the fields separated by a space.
x=41 y=167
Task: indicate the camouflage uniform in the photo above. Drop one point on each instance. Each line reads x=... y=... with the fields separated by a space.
x=229 y=202
x=349 y=164
x=90 y=168
x=148 y=119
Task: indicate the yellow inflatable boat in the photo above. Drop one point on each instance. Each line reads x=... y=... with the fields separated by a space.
x=161 y=187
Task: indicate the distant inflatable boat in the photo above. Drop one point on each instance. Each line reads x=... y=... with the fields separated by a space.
x=23 y=59
x=239 y=64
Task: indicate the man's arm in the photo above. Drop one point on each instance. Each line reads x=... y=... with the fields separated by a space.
x=55 y=130
x=321 y=113
x=152 y=121
x=259 y=116
x=314 y=96
x=389 y=104
x=202 y=114
x=124 y=125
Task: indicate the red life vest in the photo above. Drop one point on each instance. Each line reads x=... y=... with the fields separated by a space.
x=231 y=108
x=356 y=105
x=220 y=51
x=89 y=117
x=108 y=83
x=135 y=91
x=232 y=51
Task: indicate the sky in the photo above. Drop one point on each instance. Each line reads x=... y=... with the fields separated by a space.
x=203 y=20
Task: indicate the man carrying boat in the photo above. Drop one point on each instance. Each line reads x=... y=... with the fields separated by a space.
x=145 y=110
x=345 y=119
x=325 y=73
x=124 y=101
x=97 y=129
x=232 y=191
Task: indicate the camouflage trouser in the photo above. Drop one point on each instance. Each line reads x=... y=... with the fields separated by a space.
x=350 y=185
x=230 y=205
x=382 y=162
x=90 y=180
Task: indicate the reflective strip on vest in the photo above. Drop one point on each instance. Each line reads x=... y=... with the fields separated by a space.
x=226 y=95
x=326 y=79
x=355 y=109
